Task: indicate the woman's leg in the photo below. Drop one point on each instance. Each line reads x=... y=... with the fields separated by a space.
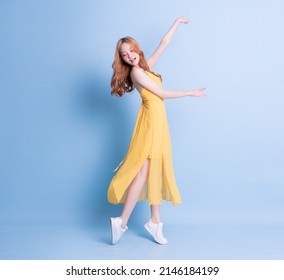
x=155 y=213
x=133 y=192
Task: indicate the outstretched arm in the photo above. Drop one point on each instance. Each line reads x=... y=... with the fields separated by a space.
x=141 y=80
x=166 y=41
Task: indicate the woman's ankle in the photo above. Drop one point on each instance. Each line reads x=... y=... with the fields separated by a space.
x=123 y=223
x=155 y=220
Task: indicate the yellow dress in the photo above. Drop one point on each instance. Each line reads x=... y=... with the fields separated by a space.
x=150 y=140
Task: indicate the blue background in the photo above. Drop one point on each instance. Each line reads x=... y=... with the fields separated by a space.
x=62 y=133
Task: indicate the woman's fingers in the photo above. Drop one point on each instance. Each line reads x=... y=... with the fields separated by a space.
x=183 y=19
x=201 y=94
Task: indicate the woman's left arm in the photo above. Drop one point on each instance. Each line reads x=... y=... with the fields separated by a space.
x=166 y=41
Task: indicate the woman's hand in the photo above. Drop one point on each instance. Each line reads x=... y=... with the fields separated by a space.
x=182 y=19
x=198 y=92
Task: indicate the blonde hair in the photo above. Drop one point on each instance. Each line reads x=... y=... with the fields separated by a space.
x=121 y=81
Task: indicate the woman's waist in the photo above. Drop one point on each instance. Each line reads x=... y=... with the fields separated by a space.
x=152 y=99
x=153 y=106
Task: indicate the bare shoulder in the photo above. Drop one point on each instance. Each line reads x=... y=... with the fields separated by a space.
x=137 y=72
x=138 y=76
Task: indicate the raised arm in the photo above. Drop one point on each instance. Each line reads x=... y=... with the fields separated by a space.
x=166 y=41
x=141 y=80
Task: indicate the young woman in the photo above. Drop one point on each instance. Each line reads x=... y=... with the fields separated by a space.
x=147 y=170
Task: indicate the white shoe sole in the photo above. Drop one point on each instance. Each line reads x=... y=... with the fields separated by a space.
x=153 y=235
x=112 y=233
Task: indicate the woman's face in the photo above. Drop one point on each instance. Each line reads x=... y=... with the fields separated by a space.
x=128 y=55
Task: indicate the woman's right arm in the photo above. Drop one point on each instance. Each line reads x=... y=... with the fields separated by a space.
x=166 y=41
x=140 y=78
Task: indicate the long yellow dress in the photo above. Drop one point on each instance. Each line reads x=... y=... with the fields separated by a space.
x=150 y=140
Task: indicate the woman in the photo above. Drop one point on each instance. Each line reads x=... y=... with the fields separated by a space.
x=146 y=171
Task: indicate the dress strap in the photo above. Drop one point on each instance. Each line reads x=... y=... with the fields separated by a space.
x=118 y=166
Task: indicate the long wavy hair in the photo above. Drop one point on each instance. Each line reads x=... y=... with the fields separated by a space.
x=121 y=81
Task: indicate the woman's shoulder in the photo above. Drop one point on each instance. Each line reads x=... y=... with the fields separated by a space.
x=140 y=71
x=137 y=76
x=137 y=72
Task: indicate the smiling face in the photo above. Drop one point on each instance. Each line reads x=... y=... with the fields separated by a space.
x=129 y=55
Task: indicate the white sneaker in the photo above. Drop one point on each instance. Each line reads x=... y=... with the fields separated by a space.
x=156 y=230
x=116 y=230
